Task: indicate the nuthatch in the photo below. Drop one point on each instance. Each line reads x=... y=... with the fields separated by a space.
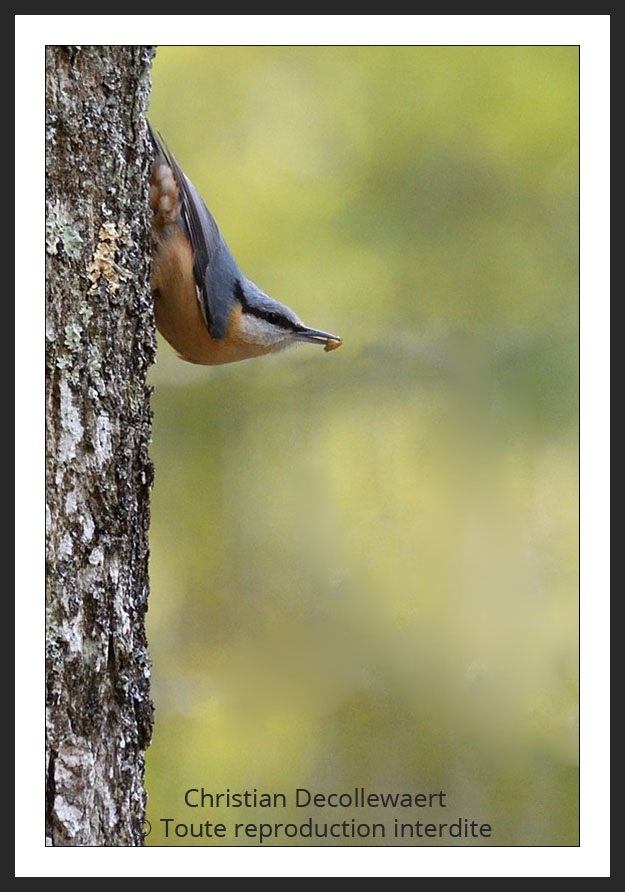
x=203 y=304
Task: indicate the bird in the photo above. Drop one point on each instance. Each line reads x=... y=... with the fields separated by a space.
x=204 y=306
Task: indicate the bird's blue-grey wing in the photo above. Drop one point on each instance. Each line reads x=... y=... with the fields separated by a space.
x=214 y=268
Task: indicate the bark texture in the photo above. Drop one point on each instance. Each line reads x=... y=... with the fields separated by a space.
x=100 y=343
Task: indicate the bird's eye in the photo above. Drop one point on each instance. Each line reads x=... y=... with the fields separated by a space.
x=274 y=318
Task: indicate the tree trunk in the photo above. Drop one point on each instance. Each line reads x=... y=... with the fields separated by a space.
x=100 y=343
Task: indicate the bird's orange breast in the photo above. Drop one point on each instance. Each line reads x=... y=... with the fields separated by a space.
x=177 y=310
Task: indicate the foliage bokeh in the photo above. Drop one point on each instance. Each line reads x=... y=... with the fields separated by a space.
x=364 y=563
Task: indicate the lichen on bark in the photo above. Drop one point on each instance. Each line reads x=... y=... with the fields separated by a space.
x=100 y=343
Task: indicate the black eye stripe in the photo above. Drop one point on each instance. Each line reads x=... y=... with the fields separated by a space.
x=273 y=318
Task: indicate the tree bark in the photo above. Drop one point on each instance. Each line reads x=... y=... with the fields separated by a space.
x=100 y=343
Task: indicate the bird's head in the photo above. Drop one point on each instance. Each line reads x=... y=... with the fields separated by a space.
x=268 y=324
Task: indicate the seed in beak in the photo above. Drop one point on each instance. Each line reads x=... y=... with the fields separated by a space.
x=332 y=344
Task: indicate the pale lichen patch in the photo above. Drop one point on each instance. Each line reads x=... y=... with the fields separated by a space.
x=71 y=242
x=52 y=236
x=71 y=501
x=103 y=446
x=60 y=228
x=114 y=569
x=73 y=633
x=96 y=558
x=66 y=547
x=70 y=815
x=74 y=782
x=88 y=526
x=73 y=336
x=71 y=425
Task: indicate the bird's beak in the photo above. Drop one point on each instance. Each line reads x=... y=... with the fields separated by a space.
x=330 y=341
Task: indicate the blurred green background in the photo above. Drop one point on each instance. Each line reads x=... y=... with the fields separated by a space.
x=364 y=563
